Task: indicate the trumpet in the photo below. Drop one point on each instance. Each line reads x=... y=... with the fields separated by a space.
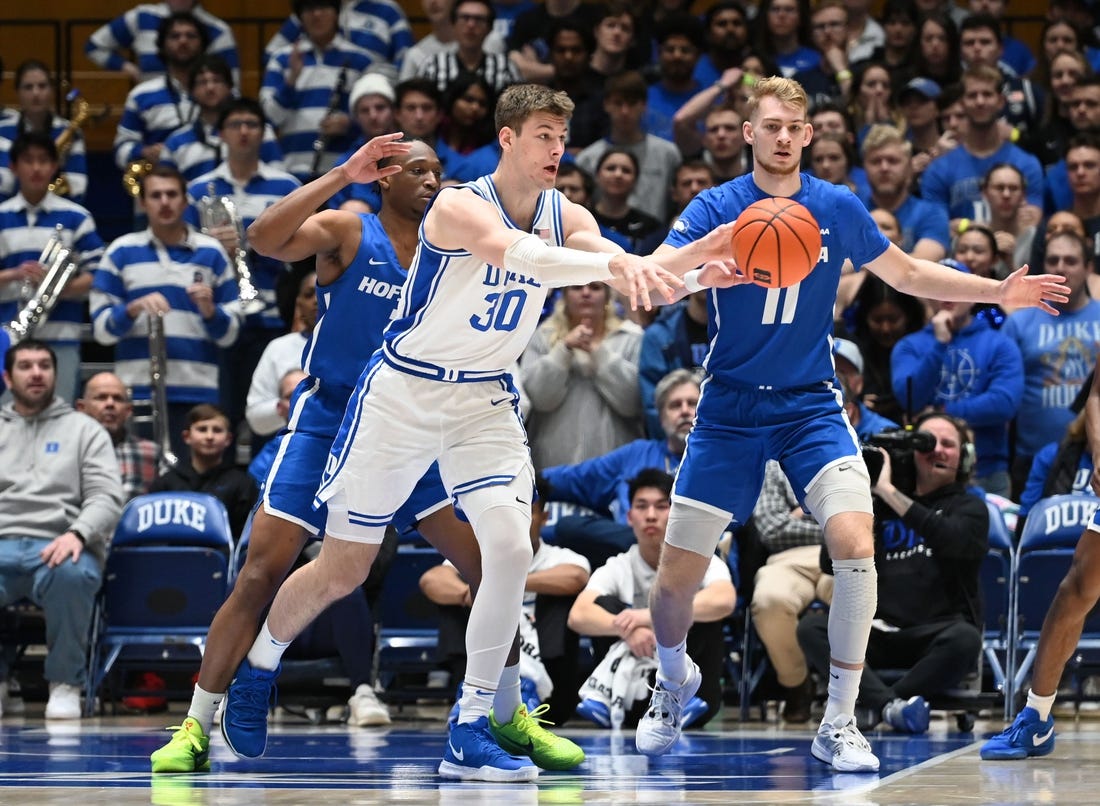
x=40 y=302
x=64 y=143
x=132 y=176
x=158 y=391
x=220 y=211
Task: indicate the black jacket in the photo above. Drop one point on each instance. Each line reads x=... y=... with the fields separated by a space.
x=226 y=482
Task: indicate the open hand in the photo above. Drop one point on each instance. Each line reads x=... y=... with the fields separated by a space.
x=638 y=276
x=1019 y=290
x=362 y=166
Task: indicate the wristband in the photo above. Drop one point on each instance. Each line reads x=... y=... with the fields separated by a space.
x=719 y=86
x=691 y=281
x=843 y=75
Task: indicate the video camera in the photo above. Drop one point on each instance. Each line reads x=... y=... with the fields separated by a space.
x=901 y=444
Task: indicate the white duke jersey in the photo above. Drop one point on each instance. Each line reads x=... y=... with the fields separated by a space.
x=780 y=337
x=461 y=319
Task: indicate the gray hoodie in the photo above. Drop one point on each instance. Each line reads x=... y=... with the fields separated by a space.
x=58 y=471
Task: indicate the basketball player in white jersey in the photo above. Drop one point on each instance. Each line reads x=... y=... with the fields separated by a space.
x=439 y=390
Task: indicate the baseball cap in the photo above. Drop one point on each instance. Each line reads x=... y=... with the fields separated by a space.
x=849 y=351
x=922 y=86
x=370 y=84
x=957 y=265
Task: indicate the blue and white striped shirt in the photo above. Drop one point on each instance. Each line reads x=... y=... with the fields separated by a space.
x=265 y=188
x=25 y=229
x=75 y=166
x=380 y=27
x=297 y=111
x=154 y=109
x=136 y=31
x=196 y=149
x=138 y=264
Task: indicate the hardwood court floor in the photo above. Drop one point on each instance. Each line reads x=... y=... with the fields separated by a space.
x=105 y=760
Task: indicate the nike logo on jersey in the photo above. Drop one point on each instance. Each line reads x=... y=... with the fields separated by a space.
x=499 y=401
x=1038 y=740
x=456 y=753
x=374 y=262
x=521 y=501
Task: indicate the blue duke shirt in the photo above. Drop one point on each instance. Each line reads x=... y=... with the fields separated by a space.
x=780 y=338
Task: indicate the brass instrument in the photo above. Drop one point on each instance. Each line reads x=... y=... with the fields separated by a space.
x=64 y=143
x=132 y=176
x=158 y=391
x=335 y=102
x=41 y=301
x=220 y=211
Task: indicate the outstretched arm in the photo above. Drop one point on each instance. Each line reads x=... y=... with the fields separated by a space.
x=922 y=278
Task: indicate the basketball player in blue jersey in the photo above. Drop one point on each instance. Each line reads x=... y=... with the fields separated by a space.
x=360 y=269
x=438 y=390
x=771 y=393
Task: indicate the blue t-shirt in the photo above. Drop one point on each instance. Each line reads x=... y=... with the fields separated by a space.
x=952 y=180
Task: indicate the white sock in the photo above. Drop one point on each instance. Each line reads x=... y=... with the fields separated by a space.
x=843 y=691
x=266 y=651
x=475 y=702
x=507 y=698
x=1041 y=704
x=673 y=663
x=204 y=704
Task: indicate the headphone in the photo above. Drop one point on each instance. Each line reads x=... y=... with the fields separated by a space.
x=968 y=455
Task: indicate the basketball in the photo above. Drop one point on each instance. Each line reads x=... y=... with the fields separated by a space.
x=776 y=242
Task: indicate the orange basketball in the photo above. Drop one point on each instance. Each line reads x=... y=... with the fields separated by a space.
x=777 y=242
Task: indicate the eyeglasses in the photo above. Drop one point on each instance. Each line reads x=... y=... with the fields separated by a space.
x=473 y=19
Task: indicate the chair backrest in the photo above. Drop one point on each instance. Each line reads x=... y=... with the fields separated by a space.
x=1047 y=543
x=193 y=519
x=555 y=511
x=402 y=606
x=1057 y=521
x=995 y=575
x=168 y=568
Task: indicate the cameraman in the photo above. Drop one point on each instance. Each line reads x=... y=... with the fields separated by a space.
x=929 y=545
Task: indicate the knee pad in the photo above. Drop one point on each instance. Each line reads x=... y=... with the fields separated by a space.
x=695 y=529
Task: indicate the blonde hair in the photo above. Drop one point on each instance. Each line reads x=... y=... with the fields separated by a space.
x=882 y=135
x=785 y=90
x=559 y=325
x=520 y=101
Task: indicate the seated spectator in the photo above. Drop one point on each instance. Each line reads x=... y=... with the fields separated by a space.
x=371 y=106
x=849 y=371
x=789 y=581
x=548 y=650
x=602 y=484
x=1002 y=209
x=962 y=366
x=107 y=401
x=615 y=605
x=1059 y=468
x=929 y=546
x=677 y=339
x=616 y=178
x=211 y=469
x=58 y=518
x=467 y=144
x=265 y=457
x=581 y=375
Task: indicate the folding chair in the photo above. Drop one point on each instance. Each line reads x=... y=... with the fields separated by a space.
x=1046 y=549
x=166 y=576
x=407 y=629
x=998 y=592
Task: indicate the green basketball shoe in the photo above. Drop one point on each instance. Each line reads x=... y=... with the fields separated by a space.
x=525 y=736
x=187 y=751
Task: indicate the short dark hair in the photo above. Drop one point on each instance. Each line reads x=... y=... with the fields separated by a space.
x=185 y=17
x=681 y=24
x=210 y=63
x=243 y=104
x=301 y=5
x=977 y=22
x=425 y=86
x=629 y=85
x=650 y=477
x=488 y=7
x=33 y=139
x=205 y=411
x=164 y=171
x=588 y=39
x=26 y=66
x=25 y=345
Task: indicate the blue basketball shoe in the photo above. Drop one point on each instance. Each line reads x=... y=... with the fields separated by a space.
x=1026 y=736
x=250 y=697
x=473 y=754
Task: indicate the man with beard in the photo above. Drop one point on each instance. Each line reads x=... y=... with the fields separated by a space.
x=157 y=107
x=886 y=155
x=679 y=43
x=602 y=484
x=62 y=499
x=771 y=394
x=954 y=180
